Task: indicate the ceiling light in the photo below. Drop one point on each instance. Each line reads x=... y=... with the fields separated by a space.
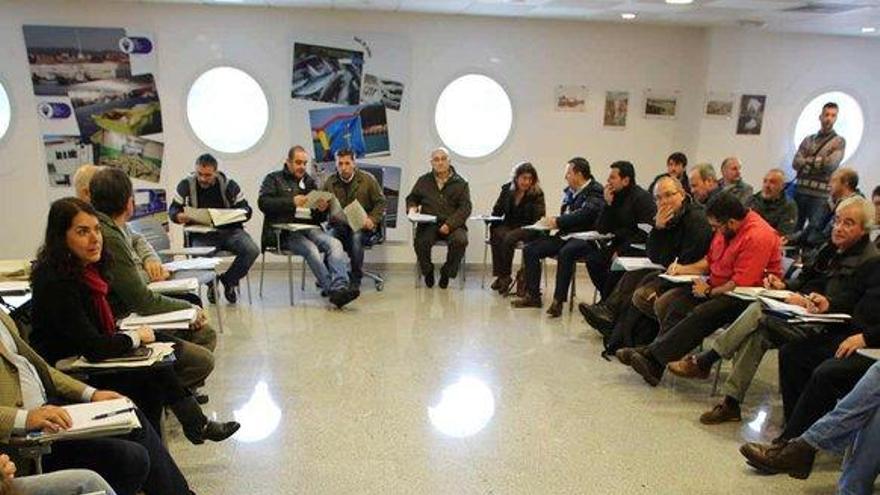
x=679 y=2
x=869 y=30
x=628 y=16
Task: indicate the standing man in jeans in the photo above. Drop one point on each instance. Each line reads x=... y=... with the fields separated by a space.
x=283 y=199
x=350 y=184
x=207 y=187
x=817 y=158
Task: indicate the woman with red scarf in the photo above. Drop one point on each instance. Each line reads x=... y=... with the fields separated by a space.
x=73 y=317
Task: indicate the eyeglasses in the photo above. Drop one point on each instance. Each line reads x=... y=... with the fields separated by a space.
x=665 y=195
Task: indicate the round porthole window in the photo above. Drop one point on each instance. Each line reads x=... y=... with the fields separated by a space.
x=227 y=110
x=5 y=111
x=850 y=120
x=473 y=116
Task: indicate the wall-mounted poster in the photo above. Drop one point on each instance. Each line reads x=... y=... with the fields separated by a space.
x=139 y=158
x=328 y=74
x=660 y=105
x=570 y=98
x=90 y=83
x=719 y=106
x=363 y=129
x=616 y=108
x=381 y=91
x=751 y=114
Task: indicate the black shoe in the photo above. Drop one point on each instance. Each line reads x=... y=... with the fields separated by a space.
x=212 y=295
x=196 y=427
x=648 y=367
x=354 y=284
x=555 y=309
x=444 y=280
x=342 y=297
x=229 y=293
x=598 y=316
x=202 y=399
x=429 y=279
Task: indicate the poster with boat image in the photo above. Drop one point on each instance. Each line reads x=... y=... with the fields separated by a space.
x=327 y=74
x=89 y=83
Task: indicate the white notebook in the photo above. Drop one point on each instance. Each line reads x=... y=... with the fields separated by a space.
x=89 y=423
x=633 y=263
x=680 y=279
x=172 y=320
x=192 y=264
x=174 y=286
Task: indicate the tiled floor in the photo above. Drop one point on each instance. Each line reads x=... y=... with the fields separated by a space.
x=451 y=391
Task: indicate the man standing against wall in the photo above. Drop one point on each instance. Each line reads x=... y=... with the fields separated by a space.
x=817 y=158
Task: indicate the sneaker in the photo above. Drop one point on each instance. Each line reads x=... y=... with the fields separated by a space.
x=723 y=412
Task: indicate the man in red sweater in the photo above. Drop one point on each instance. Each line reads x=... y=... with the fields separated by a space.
x=744 y=249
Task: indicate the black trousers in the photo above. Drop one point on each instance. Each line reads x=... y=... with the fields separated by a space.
x=427 y=235
x=675 y=342
x=567 y=255
x=503 y=240
x=813 y=380
x=621 y=295
x=131 y=463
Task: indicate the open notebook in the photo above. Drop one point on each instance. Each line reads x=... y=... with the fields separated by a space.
x=215 y=217
x=95 y=419
x=173 y=320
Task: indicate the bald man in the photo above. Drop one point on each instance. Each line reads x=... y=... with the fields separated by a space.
x=773 y=205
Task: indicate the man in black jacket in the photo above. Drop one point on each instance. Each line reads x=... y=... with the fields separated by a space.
x=676 y=167
x=626 y=206
x=681 y=234
x=773 y=205
x=207 y=187
x=283 y=201
x=704 y=183
x=444 y=194
x=581 y=205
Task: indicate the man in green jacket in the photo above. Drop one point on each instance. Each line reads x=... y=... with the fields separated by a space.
x=444 y=194
x=350 y=184
x=113 y=197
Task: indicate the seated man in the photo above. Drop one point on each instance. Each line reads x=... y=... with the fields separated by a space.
x=773 y=205
x=350 y=184
x=704 y=185
x=207 y=187
x=130 y=463
x=676 y=167
x=283 y=200
x=731 y=179
x=836 y=274
x=446 y=195
x=681 y=234
x=743 y=249
x=581 y=205
x=854 y=424
x=875 y=232
x=113 y=197
x=626 y=206
x=844 y=184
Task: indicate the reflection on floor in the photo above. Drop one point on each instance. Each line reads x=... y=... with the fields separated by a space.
x=451 y=391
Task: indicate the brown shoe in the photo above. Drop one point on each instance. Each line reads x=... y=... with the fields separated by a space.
x=688 y=368
x=504 y=284
x=527 y=302
x=723 y=412
x=625 y=354
x=794 y=458
x=555 y=309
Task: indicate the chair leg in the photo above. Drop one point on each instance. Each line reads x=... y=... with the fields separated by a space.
x=290 y=278
x=217 y=305
x=262 y=272
x=302 y=282
x=573 y=292
x=716 y=379
x=483 y=274
x=247 y=280
x=463 y=270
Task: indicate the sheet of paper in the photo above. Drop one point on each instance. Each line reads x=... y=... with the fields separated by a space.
x=199 y=229
x=85 y=425
x=680 y=279
x=781 y=307
x=174 y=286
x=421 y=218
x=487 y=218
x=645 y=227
x=633 y=263
x=200 y=216
x=356 y=215
x=591 y=235
x=182 y=316
x=192 y=264
x=293 y=227
x=15 y=287
x=870 y=353
x=315 y=195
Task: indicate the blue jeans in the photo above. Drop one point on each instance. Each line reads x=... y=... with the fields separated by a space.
x=237 y=242
x=314 y=245
x=810 y=208
x=68 y=481
x=854 y=421
x=353 y=243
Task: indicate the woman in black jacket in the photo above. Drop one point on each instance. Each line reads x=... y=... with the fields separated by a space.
x=72 y=317
x=521 y=203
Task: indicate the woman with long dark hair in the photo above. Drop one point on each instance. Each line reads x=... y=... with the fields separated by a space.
x=521 y=203
x=73 y=317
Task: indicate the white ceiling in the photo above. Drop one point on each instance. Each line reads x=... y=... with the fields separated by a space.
x=842 y=17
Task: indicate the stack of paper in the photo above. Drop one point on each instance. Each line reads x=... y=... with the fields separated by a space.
x=293 y=227
x=356 y=215
x=192 y=264
x=173 y=320
x=199 y=229
x=801 y=314
x=303 y=213
x=226 y=216
x=752 y=293
x=158 y=352
x=633 y=263
x=680 y=279
x=174 y=286
x=15 y=287
x=95 y=419
x=588 y=236
x=645 y=227
x=314 y=196
x=189 y=251
x=487 y=218
x=541 y=224
x=421 y=218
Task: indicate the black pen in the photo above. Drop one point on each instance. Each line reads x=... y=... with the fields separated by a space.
x=113 y=413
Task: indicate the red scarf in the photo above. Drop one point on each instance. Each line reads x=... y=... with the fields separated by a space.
x=100 y=288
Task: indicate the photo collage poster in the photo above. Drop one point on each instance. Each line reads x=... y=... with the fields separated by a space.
x=96 y=99
x=347 y=91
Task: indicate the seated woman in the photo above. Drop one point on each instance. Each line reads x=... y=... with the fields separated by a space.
x=521 y=203
x=72 y=317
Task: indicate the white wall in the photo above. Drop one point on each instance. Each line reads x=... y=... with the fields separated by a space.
x=529 y=56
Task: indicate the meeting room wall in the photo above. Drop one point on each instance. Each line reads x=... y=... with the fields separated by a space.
x=529 y=57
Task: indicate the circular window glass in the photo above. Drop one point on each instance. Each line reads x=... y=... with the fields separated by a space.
x=227 y=110
x=850 y=120
x=473 y=115
x=5 y=111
